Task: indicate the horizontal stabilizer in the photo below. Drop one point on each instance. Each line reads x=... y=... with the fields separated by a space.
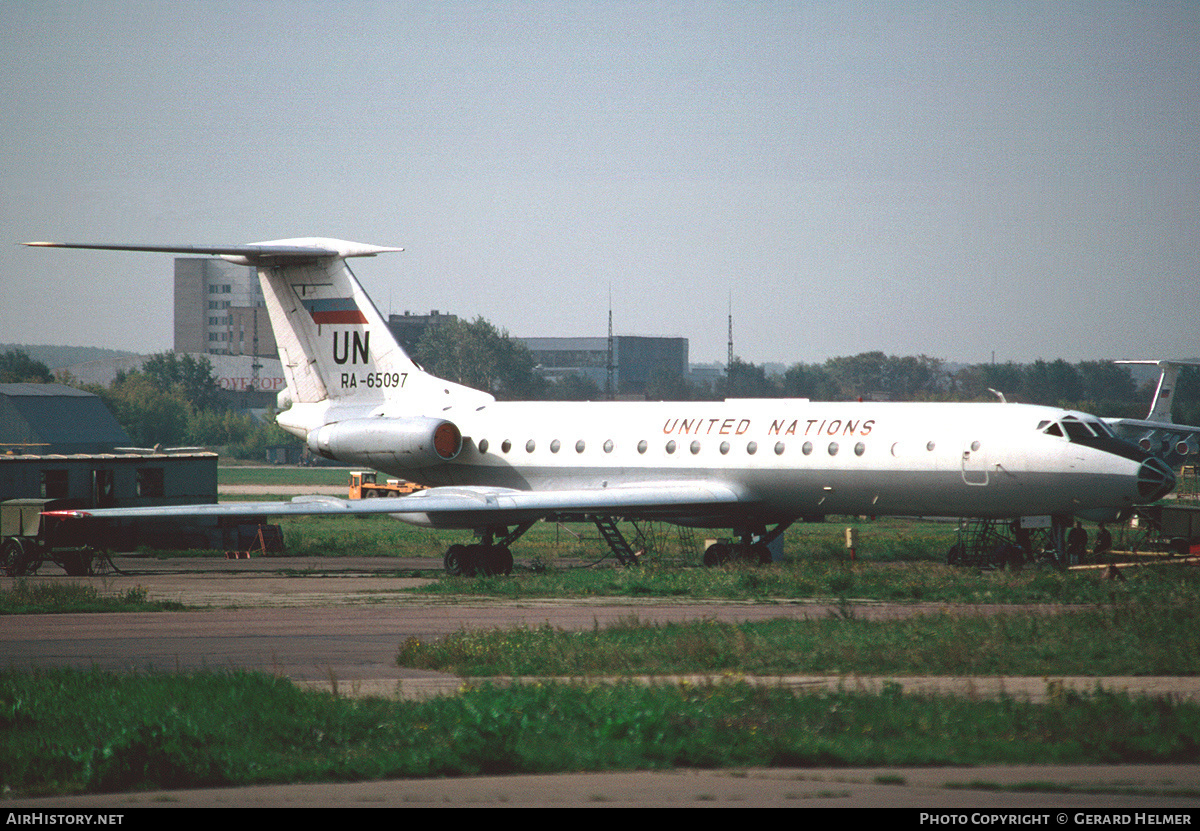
x=255 y=253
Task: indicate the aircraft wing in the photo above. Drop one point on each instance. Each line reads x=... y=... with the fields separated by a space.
x=467 y=506
x=1172 y=442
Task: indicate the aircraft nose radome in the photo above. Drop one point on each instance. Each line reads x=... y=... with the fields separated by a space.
x=1155 y=479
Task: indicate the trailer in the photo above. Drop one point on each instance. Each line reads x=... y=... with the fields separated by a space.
x=30 y=538
x=82 y=546
x=1169 y=529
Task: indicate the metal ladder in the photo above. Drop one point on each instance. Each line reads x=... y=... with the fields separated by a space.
x=607 y=526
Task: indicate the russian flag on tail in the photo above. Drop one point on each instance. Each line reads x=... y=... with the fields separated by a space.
x=334 y=310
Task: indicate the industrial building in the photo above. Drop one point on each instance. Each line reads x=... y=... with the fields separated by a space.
x=409 y=328
x=219 y=309
x=634 y=359
x=57 y=442
x=112 y=480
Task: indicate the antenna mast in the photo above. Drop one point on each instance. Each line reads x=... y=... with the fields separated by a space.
x=729 y=357
x=609 y=385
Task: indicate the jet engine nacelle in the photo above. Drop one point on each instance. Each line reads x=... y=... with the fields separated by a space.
x=388 y=443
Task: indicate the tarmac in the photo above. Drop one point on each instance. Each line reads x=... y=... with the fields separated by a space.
x=335 y=624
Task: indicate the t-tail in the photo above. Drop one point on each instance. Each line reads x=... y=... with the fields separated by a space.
x=353 y=393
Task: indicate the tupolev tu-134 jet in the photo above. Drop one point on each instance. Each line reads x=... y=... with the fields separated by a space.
x=751 y=465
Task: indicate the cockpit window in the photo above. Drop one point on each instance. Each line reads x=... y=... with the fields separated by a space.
x=1077 y=430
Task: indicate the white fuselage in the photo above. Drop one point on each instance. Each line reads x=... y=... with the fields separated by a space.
x=793 y=457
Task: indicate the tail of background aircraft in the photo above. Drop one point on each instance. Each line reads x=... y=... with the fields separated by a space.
x=1160 y=407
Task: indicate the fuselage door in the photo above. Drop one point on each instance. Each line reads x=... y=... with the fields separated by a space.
x=975 y=463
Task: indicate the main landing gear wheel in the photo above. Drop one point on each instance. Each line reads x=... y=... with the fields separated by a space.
x=455 y=561
x=476 y=559
x=720 y=553
x=760 y=553
x=498 y=559
x=717 y=554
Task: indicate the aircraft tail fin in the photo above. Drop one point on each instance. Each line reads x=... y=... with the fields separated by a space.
x=1160 y=407
x=334 y=344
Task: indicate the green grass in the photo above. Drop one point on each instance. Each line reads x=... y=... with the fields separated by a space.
x=70 y=731
x=283 y=475
x=824 y=577
x=1120 y=639
x=25 y=598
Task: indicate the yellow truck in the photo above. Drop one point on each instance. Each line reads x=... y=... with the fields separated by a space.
x=364 y=486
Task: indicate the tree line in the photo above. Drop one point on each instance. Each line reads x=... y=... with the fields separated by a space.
x=477 y=354
x=173 y=400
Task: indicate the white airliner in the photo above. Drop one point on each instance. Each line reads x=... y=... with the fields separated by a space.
x=752 y=465
x=1157 y=433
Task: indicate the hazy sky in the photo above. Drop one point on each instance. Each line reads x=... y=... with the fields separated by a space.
x=953 y=179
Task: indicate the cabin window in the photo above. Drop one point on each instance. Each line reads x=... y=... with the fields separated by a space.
x=695 y=448
x=505 y=446
x=806 y=448
x=555 y=446
x=930 y=446
x=860 y=449
x=724 y=448
x=530 y=446
x=483 y=445
x=833 y=448
x=671 y=446
x=779 y=447
x=974 y=446
x=608 y=446
x=752 y=448
x=642 y=446
x=580 y=446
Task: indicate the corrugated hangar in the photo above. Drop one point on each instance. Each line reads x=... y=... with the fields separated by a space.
x=60 y=443
x=57 y=450
x=52 y=418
